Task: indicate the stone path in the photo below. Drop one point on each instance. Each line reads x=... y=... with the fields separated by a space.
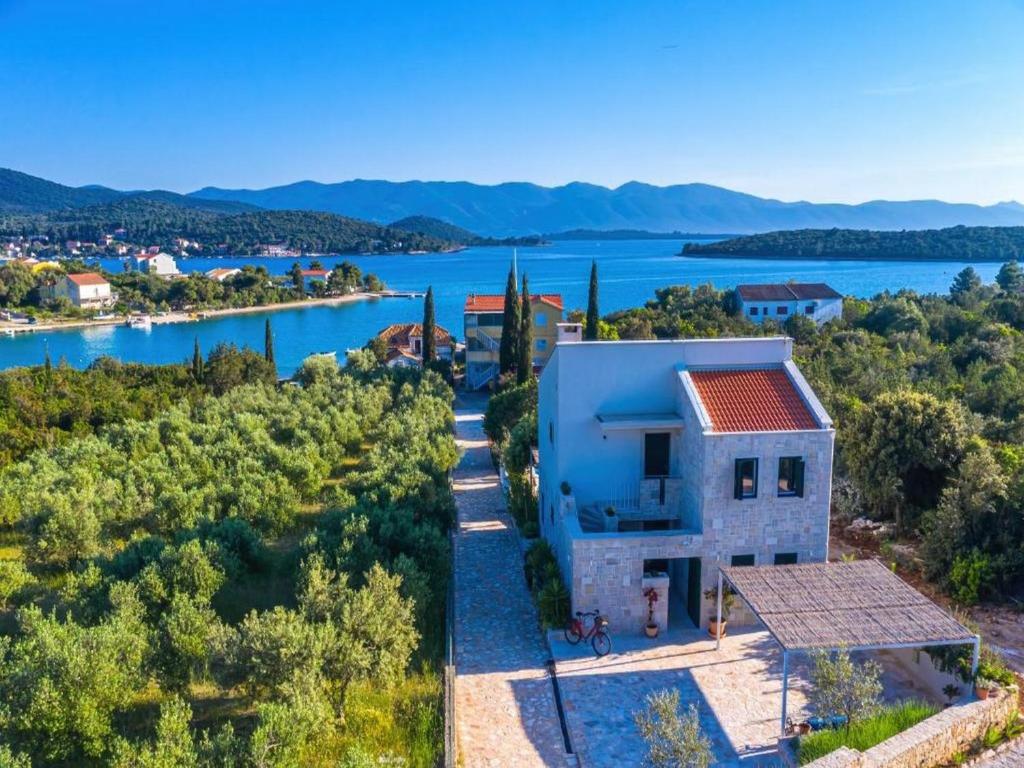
x=505 y=711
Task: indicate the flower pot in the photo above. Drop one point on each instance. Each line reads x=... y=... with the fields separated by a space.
x=651 y=629
x=803 y=728
x=716 y=630
x=981 y=693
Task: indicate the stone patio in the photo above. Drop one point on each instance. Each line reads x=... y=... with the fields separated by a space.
x=737 y=691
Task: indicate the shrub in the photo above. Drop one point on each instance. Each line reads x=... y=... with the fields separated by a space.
x=839 y=685
x=867 y=733
x=970 y=577
x=553 y=601
x=673 y=740
x=539 y=557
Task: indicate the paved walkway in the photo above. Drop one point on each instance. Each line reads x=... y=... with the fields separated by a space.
x=1009 y=756
x=504 y=703
x=737 y=692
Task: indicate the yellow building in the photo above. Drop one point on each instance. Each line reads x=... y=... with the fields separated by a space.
x=483 y=316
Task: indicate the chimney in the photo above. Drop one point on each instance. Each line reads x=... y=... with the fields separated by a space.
x=569 y=332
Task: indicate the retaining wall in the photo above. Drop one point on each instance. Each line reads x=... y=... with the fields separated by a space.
x=931 y=742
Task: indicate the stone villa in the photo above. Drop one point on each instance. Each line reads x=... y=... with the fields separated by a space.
x=661 y=460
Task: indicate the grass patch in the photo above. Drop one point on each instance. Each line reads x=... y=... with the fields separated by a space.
x=867 y=733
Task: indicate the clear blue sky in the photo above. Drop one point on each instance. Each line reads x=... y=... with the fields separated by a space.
x=826 y=101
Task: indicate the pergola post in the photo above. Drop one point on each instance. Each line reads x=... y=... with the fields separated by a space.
x=785 y=691
x=718 y=626
x=976 y=656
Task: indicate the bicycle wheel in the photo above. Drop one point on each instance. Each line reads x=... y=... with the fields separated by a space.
x=602 y=644
x=572 y=633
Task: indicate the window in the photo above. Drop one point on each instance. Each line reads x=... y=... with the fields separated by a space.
x=742 y=560
x=809 y=309
x=791 y=476
x=542 y=344
x=540 y=319
x=745 y=486
x=491 y=318
x=471 y=321
x=753 y=311
x=655 y=568
x=657 y=449
x=785 y=558
x=782 y=310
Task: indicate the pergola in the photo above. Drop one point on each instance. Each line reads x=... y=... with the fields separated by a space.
x=859 y=606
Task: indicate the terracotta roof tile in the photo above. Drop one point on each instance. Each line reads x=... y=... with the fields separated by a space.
x=398 y=334
x=483 y=302
x=761 y=400
x=87 y=278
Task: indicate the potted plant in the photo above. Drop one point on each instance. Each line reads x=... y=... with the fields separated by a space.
x=728 y=601
x=565 y=488
x=651 y=627
x=610 y=521
x=982 y=687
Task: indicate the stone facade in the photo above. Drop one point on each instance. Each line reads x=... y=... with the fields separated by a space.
x=932 y=742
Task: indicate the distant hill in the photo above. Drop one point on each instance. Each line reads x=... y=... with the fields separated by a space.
x=425 y=225
x=22 y=193
x=995 y=244
x=626 y=234
x=154 y=221
x=518 y=208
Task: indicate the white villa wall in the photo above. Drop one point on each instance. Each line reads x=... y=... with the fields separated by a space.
x=824 y=310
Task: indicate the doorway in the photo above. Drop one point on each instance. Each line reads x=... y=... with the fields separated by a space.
x=684 y=596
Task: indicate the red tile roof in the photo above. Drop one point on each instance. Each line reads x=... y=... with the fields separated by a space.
x=762 y=400
x=315 y=273
x=398 y=334
x=87 y=278
x=481 y=302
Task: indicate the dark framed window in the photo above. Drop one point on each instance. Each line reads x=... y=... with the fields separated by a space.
x=782 y=310
x=657 y=450
x=809 y=309
x=785 y=558
x=791 y=476
x=742 y=560
x=654 y=567
x=753 y=311
x=745 y=485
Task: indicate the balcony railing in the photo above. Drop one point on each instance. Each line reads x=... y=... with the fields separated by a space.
x=650 y=500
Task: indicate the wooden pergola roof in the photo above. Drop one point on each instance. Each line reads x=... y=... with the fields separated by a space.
x=858 y=605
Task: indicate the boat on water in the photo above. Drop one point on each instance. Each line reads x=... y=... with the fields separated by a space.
x=143 y=322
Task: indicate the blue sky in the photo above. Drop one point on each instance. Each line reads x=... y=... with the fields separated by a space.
x=817 y=100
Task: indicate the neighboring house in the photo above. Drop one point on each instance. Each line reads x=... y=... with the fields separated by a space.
x=312 y=276
x=159 y=264
x=405 y=344
x=482 y=318
x=87 y=290
x=677 y=457
x=780 y=301
x=220 y=274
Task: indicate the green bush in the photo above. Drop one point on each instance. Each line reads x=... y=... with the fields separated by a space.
x=539 y=558
x=970 y=577
x=553 y=601
x=867 y=733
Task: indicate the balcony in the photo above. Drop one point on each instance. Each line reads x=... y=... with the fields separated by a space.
x=652 y=504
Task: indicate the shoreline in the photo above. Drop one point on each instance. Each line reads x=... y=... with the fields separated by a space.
x=179 y=316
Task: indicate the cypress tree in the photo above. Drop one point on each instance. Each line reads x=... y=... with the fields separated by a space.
x=524 y=369
x=593 y=315
x=268 y=344
x=509 y=347
x=197 y=362
x=429 y=325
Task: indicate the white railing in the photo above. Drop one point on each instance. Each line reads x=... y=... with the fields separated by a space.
x=479 y=379
x=489 y=341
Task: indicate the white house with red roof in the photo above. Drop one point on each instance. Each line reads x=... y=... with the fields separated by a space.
x=781 y=301
x=159 y=263
x=310 y=278
x=405 y=344
x=87 y=290
x=661 y=460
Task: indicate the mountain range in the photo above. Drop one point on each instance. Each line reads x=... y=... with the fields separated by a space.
x=519 y=208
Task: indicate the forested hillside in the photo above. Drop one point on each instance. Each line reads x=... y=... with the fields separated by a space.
x=154 y=221
x=253 y=578
x=442 y=230
x=953 y=244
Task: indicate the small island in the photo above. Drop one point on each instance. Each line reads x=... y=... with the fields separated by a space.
x=970 y=244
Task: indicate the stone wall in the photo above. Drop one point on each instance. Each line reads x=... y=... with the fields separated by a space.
x=932 y=742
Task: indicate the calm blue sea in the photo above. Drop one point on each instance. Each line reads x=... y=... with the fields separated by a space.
x=630 y=271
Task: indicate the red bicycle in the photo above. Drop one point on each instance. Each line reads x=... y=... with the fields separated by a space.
x=577 y=630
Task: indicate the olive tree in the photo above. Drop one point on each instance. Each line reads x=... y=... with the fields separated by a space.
x=673 y=740
x=839 y=685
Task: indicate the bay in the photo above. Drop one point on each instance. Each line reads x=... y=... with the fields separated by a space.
x=630 y=271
